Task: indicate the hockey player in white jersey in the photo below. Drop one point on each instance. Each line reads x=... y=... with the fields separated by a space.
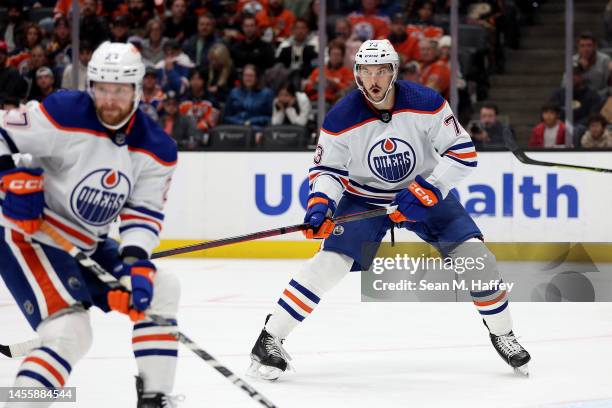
x=94 y=157
x=390 y=142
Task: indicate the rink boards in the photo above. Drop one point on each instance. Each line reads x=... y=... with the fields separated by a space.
x=221 y=194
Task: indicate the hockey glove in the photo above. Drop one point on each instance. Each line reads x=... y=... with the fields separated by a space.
x=24 y=199
x=141 y=275
x=318 y=216
x=413 y=202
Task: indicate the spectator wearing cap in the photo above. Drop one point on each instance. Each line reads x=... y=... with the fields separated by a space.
x=435 y=73
x=181 y=128
x=221 y=74
x=85 y=52
x=339 y=79
x=154 y=41
x=179 y=25
x=281 y=20
x=196 y=104
x=586 y=100
x=595 y=64
x=249 y=104
x=45 y=84
x=251 y=49
x=58 y=47
x=598 y=136
x=405 y=45
x=295 y=53
x=153 y=96
x=550 y=132
x=198 y=45
x=13 y=31
x=173 y=70
x=93 y=27
x=11 y=83
x=369 y=15
x=258 y=9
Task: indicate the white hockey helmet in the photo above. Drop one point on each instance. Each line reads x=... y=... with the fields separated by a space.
x=374 y=52
x=118 y=63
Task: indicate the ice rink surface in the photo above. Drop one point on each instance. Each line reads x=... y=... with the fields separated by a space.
x=348 y=353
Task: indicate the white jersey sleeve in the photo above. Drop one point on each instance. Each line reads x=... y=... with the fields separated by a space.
x=27 y=130
x=455 y=146
x=142 y=217
x=329 y=174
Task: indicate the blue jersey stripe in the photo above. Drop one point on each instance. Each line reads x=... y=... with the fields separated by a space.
x=469 y=164
x=494 y=311
x=330 y=169
x=305 y=291
x=460 y=146
x=290 y=310
x=148 y=212
x=37 y=377
x=155 y=352
x=142 y=226
x=12 y=146
x=57 y=358
x=145 y=325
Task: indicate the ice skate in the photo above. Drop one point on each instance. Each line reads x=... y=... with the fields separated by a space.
x=511 y=351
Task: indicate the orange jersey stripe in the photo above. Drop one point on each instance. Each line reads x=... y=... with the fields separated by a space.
x=137 y=217
x=468 y=155
x=153 y=337
x=52 y=297
x=297 y=301
x=70 y=231
x=491 y=302
x=48 y=366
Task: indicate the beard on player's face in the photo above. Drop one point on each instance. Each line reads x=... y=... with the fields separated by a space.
x=114 y=113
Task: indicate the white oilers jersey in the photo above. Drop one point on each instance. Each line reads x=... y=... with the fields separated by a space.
x=371 y=155
x=93 y=176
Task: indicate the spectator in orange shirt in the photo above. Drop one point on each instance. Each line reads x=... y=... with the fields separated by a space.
x=435 y=72
x=195 y=102
x=423 y=26
x=370 y=16
x=407 y=46
x=257 y=8
x=339 y=78
x=281 y=20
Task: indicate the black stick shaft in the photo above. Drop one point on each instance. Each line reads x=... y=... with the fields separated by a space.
x=265 y=234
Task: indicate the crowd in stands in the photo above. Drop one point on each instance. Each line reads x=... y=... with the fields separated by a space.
x=254 y=62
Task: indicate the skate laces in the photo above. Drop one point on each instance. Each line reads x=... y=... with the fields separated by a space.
x=274 y=346
x=508 y=344
x=171 y=401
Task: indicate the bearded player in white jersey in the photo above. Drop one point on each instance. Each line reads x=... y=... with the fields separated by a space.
x=94 y=157
x=390 y=142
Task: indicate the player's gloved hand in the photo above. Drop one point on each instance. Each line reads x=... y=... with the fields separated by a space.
x=24 y=199
x=414 y=202
x=141 y=274
x=318 y=216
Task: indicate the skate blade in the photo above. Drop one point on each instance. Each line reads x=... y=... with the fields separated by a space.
x=522 y=370
x=262 y=372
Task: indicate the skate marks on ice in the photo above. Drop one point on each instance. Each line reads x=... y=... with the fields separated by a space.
x=348 y=352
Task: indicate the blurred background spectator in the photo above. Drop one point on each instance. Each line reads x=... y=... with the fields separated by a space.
x=152 y=95
x=197 y=46
x=249 y=104
x=339 y=78
x=195 y=102
x=290 y=107
x=173 y=70
x=181 y=128
x=85 y=51
x=249 y=48
x=597 y=136
x=154 y=41
x=550 y=132
x=488 y=131
x=221 y=74
x=12 y=85
x=45 y=84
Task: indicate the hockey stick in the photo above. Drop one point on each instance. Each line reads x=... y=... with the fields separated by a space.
x=513 y=146
x=270 y=233
x=113 y=283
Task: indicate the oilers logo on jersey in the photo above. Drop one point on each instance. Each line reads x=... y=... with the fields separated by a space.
x=100 y=196
x=391 y=159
